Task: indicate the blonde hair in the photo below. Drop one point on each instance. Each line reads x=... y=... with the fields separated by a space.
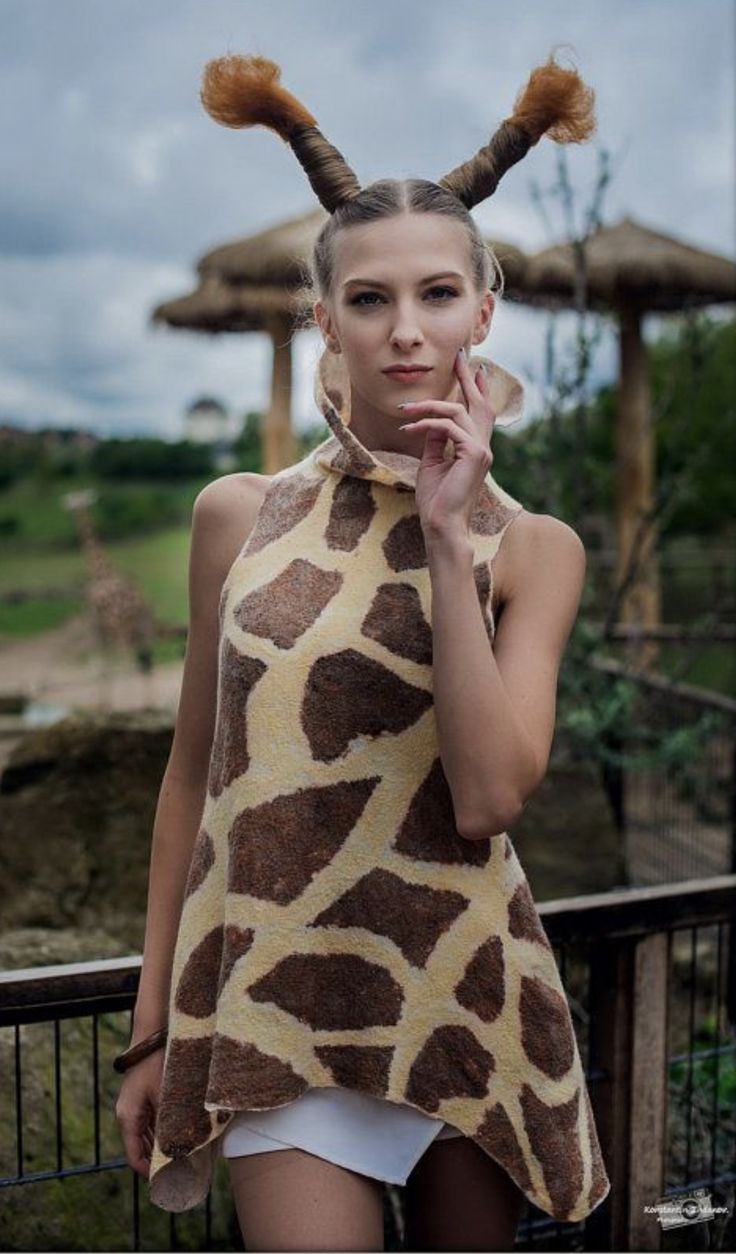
x=243 y=91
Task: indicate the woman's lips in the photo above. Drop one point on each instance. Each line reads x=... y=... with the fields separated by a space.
x=407 y=376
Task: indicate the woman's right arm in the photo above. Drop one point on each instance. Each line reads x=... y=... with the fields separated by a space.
x=222 y=518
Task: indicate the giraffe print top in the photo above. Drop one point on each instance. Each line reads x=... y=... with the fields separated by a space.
x=336 y=929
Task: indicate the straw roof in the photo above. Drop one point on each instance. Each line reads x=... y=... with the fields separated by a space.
x=630 y=264
x=283 y=253
x=215 y=306
x=273 y=256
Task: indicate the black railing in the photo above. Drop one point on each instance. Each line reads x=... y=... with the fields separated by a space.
x=650 y=979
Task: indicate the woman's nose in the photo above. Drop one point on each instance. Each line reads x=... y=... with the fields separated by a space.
x=405 y=332
x=406 y=328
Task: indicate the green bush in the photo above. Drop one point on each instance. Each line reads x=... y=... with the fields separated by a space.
x=128 y=511
x=144 y=458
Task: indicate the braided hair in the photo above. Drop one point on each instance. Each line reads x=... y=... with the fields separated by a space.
x=243 y=91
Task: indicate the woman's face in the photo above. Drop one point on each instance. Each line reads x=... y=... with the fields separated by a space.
x=403 y=293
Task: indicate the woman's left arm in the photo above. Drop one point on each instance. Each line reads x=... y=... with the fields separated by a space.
x=495 y=708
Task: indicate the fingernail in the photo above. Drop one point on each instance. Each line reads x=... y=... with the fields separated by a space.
x=461 y=352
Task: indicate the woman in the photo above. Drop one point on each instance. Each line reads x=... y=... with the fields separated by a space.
x=342 y=953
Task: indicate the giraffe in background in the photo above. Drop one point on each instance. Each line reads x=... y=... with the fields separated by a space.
x=124 y=621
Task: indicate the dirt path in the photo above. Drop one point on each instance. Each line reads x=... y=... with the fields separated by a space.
x=61 y=670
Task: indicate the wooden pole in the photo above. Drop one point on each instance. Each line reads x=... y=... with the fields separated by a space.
x=279 y=441
x=635 y=471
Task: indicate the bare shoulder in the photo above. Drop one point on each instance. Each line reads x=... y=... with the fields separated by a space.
x=224 y=514
x=538 y=542
x=240 y=491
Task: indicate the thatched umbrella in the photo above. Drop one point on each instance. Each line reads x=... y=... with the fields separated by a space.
x=282 y=254
x=257 y=283
x=631 y=270
x=216 y=307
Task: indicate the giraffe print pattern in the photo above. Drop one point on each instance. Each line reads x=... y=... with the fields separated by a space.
x=336 y=928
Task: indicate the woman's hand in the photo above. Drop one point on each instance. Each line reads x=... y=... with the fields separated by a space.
x=447 y=490
x=135 y=1110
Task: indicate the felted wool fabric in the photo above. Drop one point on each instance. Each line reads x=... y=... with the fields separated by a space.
x=336 y=928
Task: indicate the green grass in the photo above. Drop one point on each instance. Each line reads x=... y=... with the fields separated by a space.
x=32 y=618
x=44 y=555
x=33 y=506
x=158 y=563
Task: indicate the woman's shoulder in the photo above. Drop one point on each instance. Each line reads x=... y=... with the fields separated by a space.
x=534 y=538
x=239 y=490
x=224 y=514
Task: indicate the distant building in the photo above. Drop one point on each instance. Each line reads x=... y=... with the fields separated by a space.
x=206 y=421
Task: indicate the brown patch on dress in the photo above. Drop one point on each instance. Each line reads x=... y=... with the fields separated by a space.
x=182 y=1123
x=451 y=1063
x=395 y=619
x=229 y=758
x=285 y=607
x=490 y=514
x=352 y=460
x=245 y=1078
x=428 y=832
x=552 y=1133
x=361 y=1067
x=331 y=991
x=351 y=513
x=547 y=1034
x=347 y=694
x=285 y=503
x=404 y=546
x=483 y=986
x=196 y=991
x=237 y=942
x=600 y=1183
x=524 y=920
x=276 y=848
x=413 y=916
x=202 y=861
x=496 y=1135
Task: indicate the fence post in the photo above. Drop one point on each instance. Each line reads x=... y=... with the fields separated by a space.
x=609 y=1049
x=650 y=1074
x=628 y=1043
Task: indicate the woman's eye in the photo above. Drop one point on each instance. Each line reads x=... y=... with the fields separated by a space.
x=451 y=290
x=360 y=298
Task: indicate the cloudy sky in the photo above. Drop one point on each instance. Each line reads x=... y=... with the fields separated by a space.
x=113 y=180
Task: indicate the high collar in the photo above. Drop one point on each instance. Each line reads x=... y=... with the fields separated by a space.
x=343 y=452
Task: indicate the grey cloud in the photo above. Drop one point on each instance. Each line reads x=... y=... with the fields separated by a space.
x=114 y=180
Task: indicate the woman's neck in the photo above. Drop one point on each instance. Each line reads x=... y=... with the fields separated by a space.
x=375 y=430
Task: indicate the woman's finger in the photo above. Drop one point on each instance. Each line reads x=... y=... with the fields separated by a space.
x=444 y=409
x=446 y=427
x=484 y=387
x=465 y=375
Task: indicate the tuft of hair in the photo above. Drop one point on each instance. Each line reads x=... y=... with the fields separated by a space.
x=555 y=102
x=241 y=91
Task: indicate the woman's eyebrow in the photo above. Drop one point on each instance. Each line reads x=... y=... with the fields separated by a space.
x=443 y=274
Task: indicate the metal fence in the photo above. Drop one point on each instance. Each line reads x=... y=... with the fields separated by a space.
x=650 y=979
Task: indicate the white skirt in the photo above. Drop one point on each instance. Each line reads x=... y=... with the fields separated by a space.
x=356 y=1130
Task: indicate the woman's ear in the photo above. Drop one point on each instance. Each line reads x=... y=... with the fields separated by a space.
x=318 y=310
x=324 y=322
x=485 y=317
